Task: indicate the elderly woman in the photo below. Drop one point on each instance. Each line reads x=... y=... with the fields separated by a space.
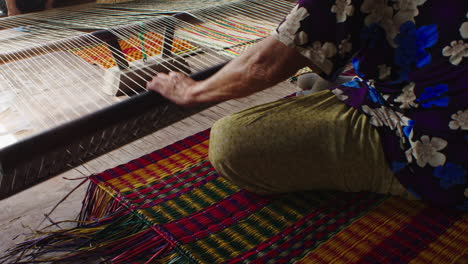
x=399 y=127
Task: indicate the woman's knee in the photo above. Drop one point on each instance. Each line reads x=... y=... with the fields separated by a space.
x=222 y=150
x=227 y=153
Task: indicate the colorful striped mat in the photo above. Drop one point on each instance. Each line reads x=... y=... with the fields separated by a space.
x=135 y=48
x=171 y=206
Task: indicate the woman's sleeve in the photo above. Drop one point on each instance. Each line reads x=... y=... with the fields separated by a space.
x=327 y=32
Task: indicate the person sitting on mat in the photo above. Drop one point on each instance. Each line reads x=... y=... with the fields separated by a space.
x=16 y=7
x=399 y=127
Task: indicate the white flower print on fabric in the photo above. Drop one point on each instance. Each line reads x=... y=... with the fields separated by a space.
x=460 y=120
x=384 y=116
x=457 y=50
x=345 y=46
x=343 y=9
x=288 y=29
x=408 y=4
x=339 y=94
x=409 y=155
x=382 y=14
x=319 y=55
x=390 y=19
x=327 y=50
x=427 y=151
x=378 y=11
x=407 y=97
x=384 y=71
x=301 y=38
x=406 y=10
x=464 y=28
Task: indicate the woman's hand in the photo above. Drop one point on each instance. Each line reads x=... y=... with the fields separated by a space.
x=175 y=86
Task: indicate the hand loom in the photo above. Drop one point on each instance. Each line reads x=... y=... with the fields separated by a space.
x=90 y=96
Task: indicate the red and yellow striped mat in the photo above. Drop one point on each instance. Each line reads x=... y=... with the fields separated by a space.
x=135 y=48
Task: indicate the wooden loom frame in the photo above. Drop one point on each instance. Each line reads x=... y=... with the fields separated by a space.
x=56 y=150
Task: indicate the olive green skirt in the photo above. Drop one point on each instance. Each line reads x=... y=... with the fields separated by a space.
x=312 y=142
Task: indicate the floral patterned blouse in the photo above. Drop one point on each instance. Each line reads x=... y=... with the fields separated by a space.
x=411 y=61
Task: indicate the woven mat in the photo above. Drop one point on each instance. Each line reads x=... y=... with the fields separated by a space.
x=172 y=207
x=134 y=48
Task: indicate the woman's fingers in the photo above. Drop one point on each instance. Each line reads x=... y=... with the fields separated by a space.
x=160 y=83
x=174 y=86
x=176 y=75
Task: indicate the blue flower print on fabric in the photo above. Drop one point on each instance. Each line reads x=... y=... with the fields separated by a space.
x=426 y=37
x=450 y=174
x=434 y=96
x=355 y=63
x=353 y=84
x=407 y=129
x=411 y=44
x=397 y=166
x=374 y=96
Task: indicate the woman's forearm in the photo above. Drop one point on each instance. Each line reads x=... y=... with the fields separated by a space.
x=10 y=4
x=49 y=4
x=266 y=64
x=12 y=7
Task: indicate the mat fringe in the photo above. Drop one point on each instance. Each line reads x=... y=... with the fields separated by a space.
x=106 y=232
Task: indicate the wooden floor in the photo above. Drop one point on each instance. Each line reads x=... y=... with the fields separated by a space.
x=24 y=212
